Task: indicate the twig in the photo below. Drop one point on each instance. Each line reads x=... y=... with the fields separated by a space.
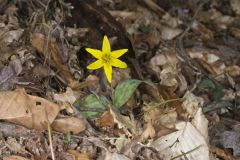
x=183 y=55
x=50 y=140
x=181 y=50
x=184 y=154
x=153 y=6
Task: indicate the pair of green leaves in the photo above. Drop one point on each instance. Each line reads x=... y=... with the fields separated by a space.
x=93 y=105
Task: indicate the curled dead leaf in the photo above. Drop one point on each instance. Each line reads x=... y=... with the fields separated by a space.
x=233 y=70
x=68 y=124
x=14 y=158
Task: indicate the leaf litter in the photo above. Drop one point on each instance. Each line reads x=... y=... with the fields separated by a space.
x=178 y=99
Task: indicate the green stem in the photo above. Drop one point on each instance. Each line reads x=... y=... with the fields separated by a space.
x=161 y=104
x=184 y=154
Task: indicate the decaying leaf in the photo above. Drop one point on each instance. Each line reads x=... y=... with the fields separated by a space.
x=124 y=122
x=49 y=48
x=23 y=109
x=38 y=146
x=68 y=124
x=230 y=139
x=8 y=74
x=14 y=146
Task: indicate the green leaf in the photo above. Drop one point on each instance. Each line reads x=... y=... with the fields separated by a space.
x=217 y=105
x=144 y=29
x=214 y=89
x=125 y=90
x=92 y=106
x=206 y=84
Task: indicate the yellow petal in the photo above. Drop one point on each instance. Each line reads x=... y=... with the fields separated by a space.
x=118 y=53
x=95 y=65
x=108 y=72
x=95 y=52
x=118 y=63
x=106 y=48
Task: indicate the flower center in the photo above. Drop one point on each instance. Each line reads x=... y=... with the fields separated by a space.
x=106 y=58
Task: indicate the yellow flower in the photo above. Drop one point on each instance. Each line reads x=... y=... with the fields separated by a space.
x=107 y=58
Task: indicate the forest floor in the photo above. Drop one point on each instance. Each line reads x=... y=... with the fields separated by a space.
x=178 y=97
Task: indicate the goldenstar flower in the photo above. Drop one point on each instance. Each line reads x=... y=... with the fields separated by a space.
x=107 y=58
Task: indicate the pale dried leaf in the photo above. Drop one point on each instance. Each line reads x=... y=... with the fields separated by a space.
x=169 y=33
x=168 y=76
x=149 y=132
x=171 y=21
x=30 y=111
x=11 y=36
x=115 y=156
x=192 y=103
x=186 y=139
x=200 y=122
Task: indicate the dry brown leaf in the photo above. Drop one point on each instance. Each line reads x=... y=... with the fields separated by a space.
x=78 y=156
x=14 y=158
x=149 y=132
x=69 y=96
x=235 y=6
x=233 y=70
x=94 y=85
x=30 y=111
x=201 y=29
x=68 y=124
x=106 y=120
x=49 y=48
x=208 y=59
